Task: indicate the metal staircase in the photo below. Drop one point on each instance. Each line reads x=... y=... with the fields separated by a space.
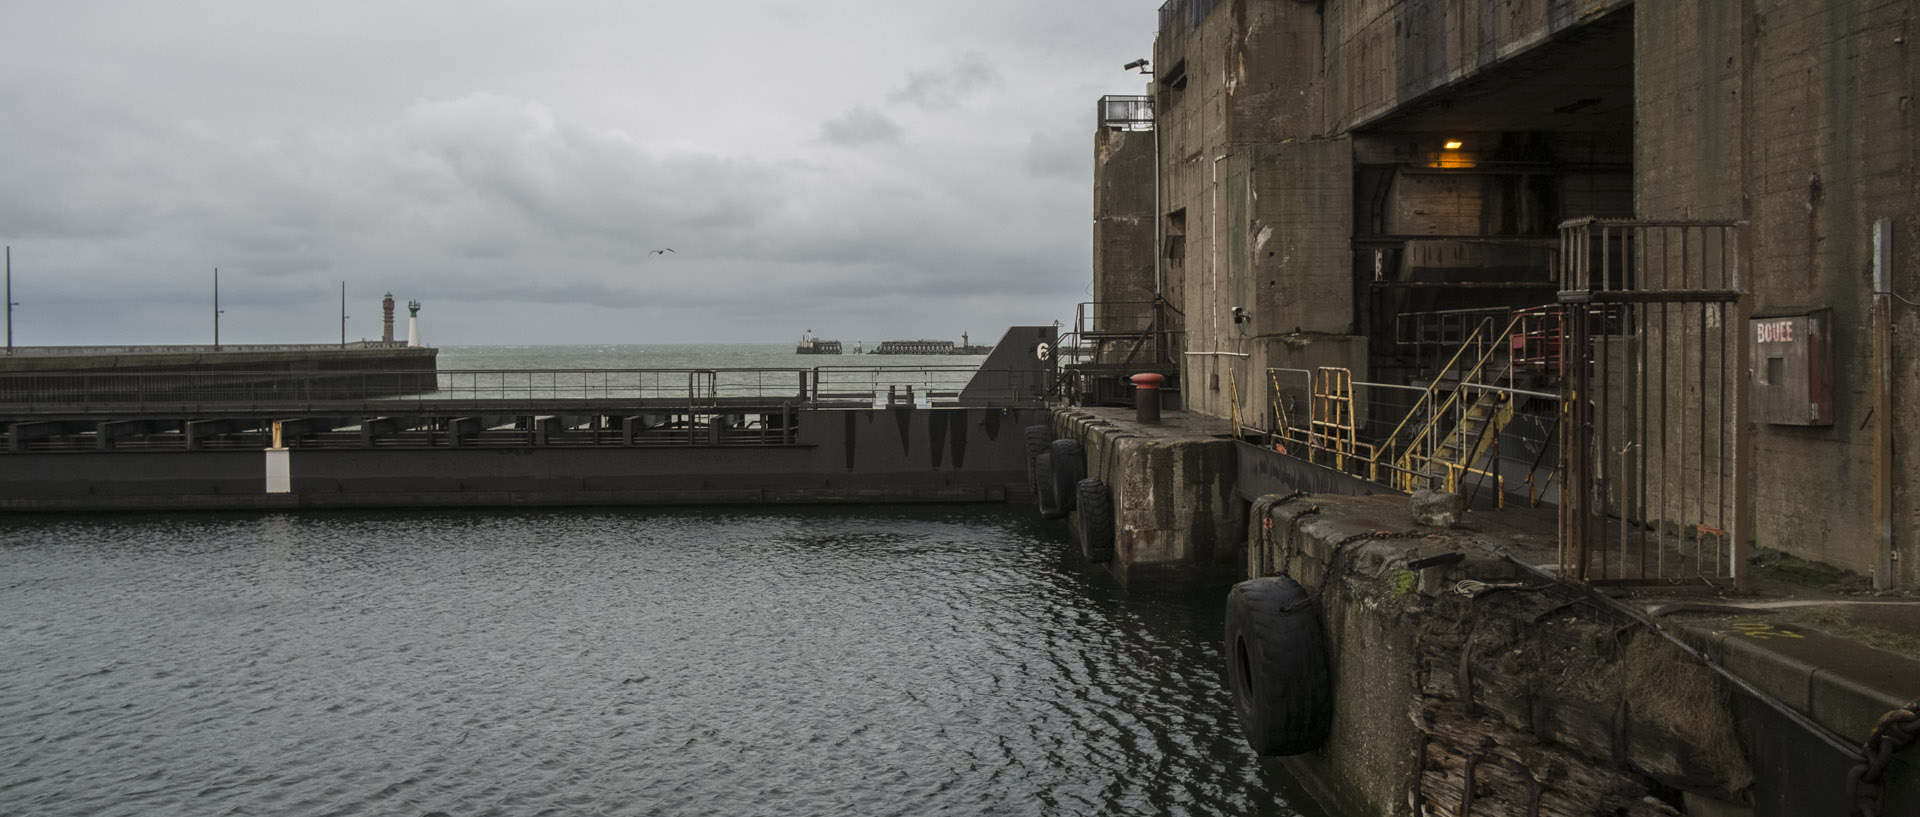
x=1451 y=435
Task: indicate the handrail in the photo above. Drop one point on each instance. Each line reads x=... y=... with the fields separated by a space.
x=1427 y=395
x=1427 y=433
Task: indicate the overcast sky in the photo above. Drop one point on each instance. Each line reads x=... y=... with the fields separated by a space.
x=867 y=169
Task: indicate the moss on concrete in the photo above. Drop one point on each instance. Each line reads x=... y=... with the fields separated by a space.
x=1774 y=566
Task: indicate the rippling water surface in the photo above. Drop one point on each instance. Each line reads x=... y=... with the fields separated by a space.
x=824 y=662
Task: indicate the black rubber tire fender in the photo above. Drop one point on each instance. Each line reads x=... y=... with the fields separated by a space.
x=1037 y=439
x=1068 y=467
x=1277 y=669
x=1095 y=503
x=1043 y=488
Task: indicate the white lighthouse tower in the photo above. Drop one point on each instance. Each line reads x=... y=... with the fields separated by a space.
x=413 y=323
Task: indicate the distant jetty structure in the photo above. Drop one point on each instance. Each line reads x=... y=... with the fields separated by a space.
x=808 y=345
x=914 y=347
x=930 y=347
x=345 y=370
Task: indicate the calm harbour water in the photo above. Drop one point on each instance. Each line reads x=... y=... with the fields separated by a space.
x=793 y=661
x=806 y=661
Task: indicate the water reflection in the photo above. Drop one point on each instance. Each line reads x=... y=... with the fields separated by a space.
x=943 y=661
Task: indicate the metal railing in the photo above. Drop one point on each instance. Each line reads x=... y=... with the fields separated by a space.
x=1126 y=112
x=1655 y=437
x=1128 y=331
x=1326 y=417
x=822 y=384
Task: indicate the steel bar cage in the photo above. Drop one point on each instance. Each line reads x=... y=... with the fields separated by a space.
x=1654 y=446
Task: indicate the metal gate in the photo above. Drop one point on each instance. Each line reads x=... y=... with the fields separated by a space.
x=1654 y=443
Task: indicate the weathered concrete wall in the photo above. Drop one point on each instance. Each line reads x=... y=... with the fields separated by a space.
x=1530 y=693
x=1794 y=116
x=1123 y=225
x=1172 y=486
x=1383 y=54
x=1265 y=208
x=1797 y=116
x=1301 y=277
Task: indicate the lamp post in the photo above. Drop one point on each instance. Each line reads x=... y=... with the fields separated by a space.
x=10 y=302
x=343 y=314
x=216 y=309
x=1145 y=67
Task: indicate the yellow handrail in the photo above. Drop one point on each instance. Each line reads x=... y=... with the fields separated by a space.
x=1233 y=395
x=1435 y=385
x=1405 y=456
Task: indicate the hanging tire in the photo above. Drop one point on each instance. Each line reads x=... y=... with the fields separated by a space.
x=1277 y=666
x=1037 y=439
x=1043 y=488
x=1096 y=519
x=1068 y=467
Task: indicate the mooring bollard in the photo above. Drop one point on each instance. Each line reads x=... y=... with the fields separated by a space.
x=1146 y=397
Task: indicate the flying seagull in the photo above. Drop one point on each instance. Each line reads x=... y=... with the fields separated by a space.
x=666 y=250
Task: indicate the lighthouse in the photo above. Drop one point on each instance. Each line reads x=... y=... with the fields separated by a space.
x=413 y=323
x=386 y=319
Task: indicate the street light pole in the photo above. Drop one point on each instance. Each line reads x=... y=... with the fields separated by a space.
x=343 y=314
x=216 y=309
x=10 y=303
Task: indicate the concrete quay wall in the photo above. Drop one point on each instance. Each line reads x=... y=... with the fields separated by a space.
x=1479 y=685
x=1172 y=485
x=1479 y=668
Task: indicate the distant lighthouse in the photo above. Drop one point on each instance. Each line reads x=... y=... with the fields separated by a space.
x=386 y=314
x=413 y=323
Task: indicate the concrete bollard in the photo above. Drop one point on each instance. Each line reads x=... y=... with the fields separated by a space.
x=1146 y=397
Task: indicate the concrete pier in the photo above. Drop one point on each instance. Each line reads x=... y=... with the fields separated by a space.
x=1462 y=664
x=364 y=369
x=1172 y=484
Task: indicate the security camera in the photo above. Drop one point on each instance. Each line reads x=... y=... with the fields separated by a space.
x=1240 y=315
x=1135 y=64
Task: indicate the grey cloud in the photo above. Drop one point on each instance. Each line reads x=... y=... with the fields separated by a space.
x=859 y=126
x=1060 y=154
x=129 y=169
x=948 y=86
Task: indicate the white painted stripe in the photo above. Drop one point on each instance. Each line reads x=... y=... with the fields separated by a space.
x=279 y=471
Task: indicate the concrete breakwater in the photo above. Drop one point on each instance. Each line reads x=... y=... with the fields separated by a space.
x=1466 y=679
x=113 y=373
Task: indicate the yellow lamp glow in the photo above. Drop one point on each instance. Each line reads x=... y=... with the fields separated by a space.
x=1454 y=144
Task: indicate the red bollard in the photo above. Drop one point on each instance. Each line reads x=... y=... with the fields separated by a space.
x=1146 y=397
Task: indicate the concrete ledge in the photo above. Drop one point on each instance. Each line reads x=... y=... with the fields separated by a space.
x=1842 y=685
x=1782 y=677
